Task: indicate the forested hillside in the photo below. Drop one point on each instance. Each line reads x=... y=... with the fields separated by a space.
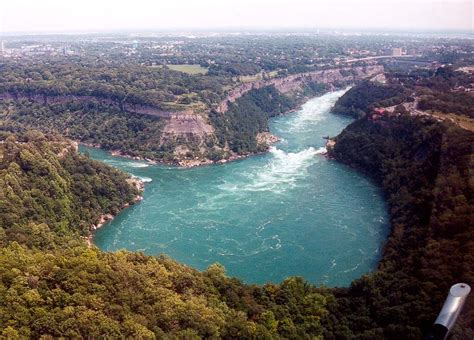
x=47 y=187
x=425 y=168
x=118 y=81
x=369 y=95
x=151 y=111
x=444 y=90
x=247 y=117
x=91 y=123
x=53 y=285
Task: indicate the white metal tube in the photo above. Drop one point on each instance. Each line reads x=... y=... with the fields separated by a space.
x=453 y=305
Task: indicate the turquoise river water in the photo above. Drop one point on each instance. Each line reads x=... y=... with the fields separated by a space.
x=288 y=212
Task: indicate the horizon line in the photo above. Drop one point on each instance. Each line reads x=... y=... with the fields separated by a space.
x=230 y=29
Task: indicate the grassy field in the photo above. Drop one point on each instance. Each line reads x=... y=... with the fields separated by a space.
x=187 y=68
x=463 y=121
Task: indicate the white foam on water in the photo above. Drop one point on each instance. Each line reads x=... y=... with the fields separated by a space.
x=143 y=179
x=280 y=174
x=314 y=110
x=138 y=165
x=126 y=163
x=322 y=150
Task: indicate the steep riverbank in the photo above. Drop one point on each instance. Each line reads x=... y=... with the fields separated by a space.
x=183 y=138
x=134 y=182
x=304 y=215
x=424 y=167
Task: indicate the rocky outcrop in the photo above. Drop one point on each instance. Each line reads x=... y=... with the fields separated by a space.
x=187 y=124
x=295 y=82
x=69 y=146
x=266 y=139
x=63 y=99
x=188 y=136
x=103 y=219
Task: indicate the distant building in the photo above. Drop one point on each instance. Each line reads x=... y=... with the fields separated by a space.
x=379 y=110
x=397 y=51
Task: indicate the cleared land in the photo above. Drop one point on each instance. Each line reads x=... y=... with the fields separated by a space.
x=258 y=76
x=464 y=122
x=188 y=68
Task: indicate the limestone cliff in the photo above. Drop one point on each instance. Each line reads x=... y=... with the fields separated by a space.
x=295 y=82
x=190 y=135
x=45 y=99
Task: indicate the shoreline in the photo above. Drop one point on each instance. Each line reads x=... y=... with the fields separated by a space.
x=192 y=163
x=328 y=143
x=266 y=138
x=182 y=164
x=263 y=137
x=105 y=218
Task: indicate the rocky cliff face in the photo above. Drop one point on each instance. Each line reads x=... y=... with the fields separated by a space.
x=63 y=99
x=295 y=82
x=185 y=124
x=190 y=135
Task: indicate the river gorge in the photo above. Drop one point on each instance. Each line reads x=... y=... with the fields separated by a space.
x=288 y=212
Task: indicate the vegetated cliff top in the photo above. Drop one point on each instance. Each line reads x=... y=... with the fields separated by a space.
x=425 y=169
x=52 y=284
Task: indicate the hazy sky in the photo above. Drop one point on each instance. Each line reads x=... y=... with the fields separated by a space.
x=104 y=15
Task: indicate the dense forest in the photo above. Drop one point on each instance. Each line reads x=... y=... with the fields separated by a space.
x=247 y=117
x=425 y=168
x=53 y=285
x=48 y=188
x=91 y=123
x=250 y=114
x=369 y=95
x=120 y=82
x=443 y=90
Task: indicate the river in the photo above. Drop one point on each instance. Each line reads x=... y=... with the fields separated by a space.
x=288 y=212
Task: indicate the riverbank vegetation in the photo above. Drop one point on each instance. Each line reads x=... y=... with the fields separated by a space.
x=249 y=115
x=53 y=285
x=425 y=168
x=91 y=123
x=367 y=96
x=48 y=188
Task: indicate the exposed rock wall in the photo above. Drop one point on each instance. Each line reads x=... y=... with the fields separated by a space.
x=186 y=130
x=186 y=124
x=295 y=82
x=63 y=99
x=180 y=127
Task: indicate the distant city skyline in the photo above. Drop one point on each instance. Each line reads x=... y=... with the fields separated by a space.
x=54 y=16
